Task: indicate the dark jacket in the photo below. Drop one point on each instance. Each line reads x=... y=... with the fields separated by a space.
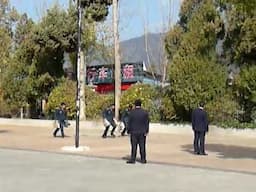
x=108 y=114
x=138 y=121
x=125 y=116
x=60 y=115
x=199 y=120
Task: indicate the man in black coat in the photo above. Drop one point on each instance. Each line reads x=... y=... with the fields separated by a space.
x=200 y=127
x=138 y=127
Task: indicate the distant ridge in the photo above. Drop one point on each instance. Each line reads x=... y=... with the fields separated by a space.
x=133 y=50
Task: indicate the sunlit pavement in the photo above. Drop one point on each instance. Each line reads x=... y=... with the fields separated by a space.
x=226 y=151
x=25 y=171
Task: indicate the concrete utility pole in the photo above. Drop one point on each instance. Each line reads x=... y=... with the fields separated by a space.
x=117 y=60
x=82 y=87
x=79 y=51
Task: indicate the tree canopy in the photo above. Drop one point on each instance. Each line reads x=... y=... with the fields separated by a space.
x=32 y=52
x=197 y=71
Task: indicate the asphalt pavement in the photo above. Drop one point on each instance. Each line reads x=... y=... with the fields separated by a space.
x=32 y=171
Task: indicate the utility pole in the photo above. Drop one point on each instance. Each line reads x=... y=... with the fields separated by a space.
x=82 y=87
x=79 y=51
x=117 y=60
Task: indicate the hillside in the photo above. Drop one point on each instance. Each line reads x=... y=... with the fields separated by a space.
x=133 y=50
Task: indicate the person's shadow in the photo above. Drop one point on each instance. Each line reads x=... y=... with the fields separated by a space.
x=4 y=131
x=128 y=157
x=227 y=151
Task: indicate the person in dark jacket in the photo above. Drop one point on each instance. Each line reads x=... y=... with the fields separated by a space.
x=60 y=116
x=109 y=120
x=200 y=127
x=138 y=127
x=125 y=118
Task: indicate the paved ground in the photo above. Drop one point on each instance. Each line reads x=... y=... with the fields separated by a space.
x=32 y=160
x=25 y=171
x=226 y=152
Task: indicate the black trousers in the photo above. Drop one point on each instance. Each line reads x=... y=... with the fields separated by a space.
x=107 y=128
x=138 y=139
x=199 y=141
x=61 y=128
x=125 y=128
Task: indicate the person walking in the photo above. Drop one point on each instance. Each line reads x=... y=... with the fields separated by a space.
x=109 y=120
x=125 y=119
x=200 y=127
x=60 y=116
x=138 y=128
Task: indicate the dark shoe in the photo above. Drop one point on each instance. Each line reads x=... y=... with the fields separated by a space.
x=203 y=154
x=104 y=136
x=143 y=161
x=196 y=153
x=113 y=135
x=54 y=135
x=122 y=134
x=130 y=162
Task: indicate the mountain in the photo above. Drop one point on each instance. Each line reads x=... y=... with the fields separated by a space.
x=134 y=50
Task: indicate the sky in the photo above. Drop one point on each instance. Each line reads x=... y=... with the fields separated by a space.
x=135 y=15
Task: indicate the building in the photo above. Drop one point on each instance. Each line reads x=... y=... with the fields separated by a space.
x=101 y=77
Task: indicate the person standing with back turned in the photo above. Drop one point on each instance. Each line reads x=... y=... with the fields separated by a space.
x=200 y=127
x=138 y=127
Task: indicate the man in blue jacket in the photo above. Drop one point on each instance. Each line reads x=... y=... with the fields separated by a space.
x=200 y=127
x=109 y=120
x=60 y=116
x=138 y=127
x=125 y=118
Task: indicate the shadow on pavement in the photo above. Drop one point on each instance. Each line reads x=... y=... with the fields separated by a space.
x=128 y=157
x=227 y=151
x=4 y=131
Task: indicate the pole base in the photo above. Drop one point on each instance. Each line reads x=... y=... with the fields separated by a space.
x=75 y=149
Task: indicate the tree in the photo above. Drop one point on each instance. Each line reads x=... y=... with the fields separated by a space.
x=240 y=48
x=240 y=39
x=32 y=53
x=188 y=8
x=245 y=87
x=8 y=17
x=173 y=40
x=14 y=85
x=97 y=10
x=194 y=72
x=194 y=79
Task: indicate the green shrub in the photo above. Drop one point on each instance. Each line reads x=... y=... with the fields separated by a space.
x=148 y=96
x=167 y=110
x=64 y=92
x=95 y=103
x=237 y=125
x=223 y=109
x=5 y=109
x=245 y=87
x=253 y=115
